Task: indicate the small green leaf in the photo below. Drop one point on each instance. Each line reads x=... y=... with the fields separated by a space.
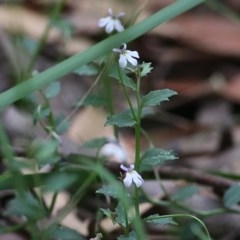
x=41 y=113
x=87 y=70
x=131 y=236
x=121 y=120
x=185 y=193
x=146 y=68
x=53 y=90
x=107 y=212
x=155 y=157
x=45 y=152
x=154 y=98
x=161 y=220
x=128 y=82
x=93 y=100
x=232 y=195
x=121 y=215
x=63 y=233
x=95 y=143
x=62 y=124
x=59 y=181
x=109 y=190
x=26 y=205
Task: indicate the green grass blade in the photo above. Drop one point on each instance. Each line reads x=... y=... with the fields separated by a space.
x=100 y=49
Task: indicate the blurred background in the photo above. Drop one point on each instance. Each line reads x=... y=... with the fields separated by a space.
x=197 y=54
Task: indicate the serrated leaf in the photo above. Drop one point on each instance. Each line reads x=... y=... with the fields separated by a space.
x=154 y=98
x=155 y=157
x=95 y=143
x=109 y=190
x=53 y=90
x=161 y=220
x=146 y=68
x=87 y=70
x=120 y=215
x=131 y=236
x=232 y=195
x=127 y=81
x=185 y=193
x=121 y=120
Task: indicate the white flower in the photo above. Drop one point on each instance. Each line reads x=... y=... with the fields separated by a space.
x=113 y=151
x=111 y=22
x=126 y=56
x=131 y=176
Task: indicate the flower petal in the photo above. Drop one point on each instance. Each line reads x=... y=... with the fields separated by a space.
x=122 y=61
x=132 y=60
x=124 y=168
x=128 y=180
x=137 y=179
x=110 y=26
x=103 y=21
x=133 y=53
x=118 y=26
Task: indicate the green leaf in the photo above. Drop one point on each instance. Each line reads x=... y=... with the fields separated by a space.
x=62 y=124
x=87 y=70
x=161 y=220
x=107 y=212
x=121 y=120
x=232 y=195
x=26 y=205
x=128 y=82
x=45 y=152
x=59 y=181
x=131 y=236
x=109 y=190
x=96 y=143
x=185 y=193
x=120 y=215
x=63 y=233
x=146 y=68
x=155 y=157
x=93 y=100
x=154 y=98
x=53 y=90
x=41 y=113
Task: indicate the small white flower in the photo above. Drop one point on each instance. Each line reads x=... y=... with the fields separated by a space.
x=126 y=56
x=111 y=22
x=131 y=176
x=113 y=151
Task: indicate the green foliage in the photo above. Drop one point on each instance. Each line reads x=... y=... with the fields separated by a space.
x=63 y=233
x=59 y=181
x=161 y=220
x=45 y=152
x=94 y=100
x=186 y=192
x=26 y=205
x=127 y=81
x=123 y=119
x=109 y=191
x=53 y=90
x=156 y=97
x=232 y=195
x=155 y=157
x=62 y=124
x=121 y=217
x=41 y=112
x=145 y=69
